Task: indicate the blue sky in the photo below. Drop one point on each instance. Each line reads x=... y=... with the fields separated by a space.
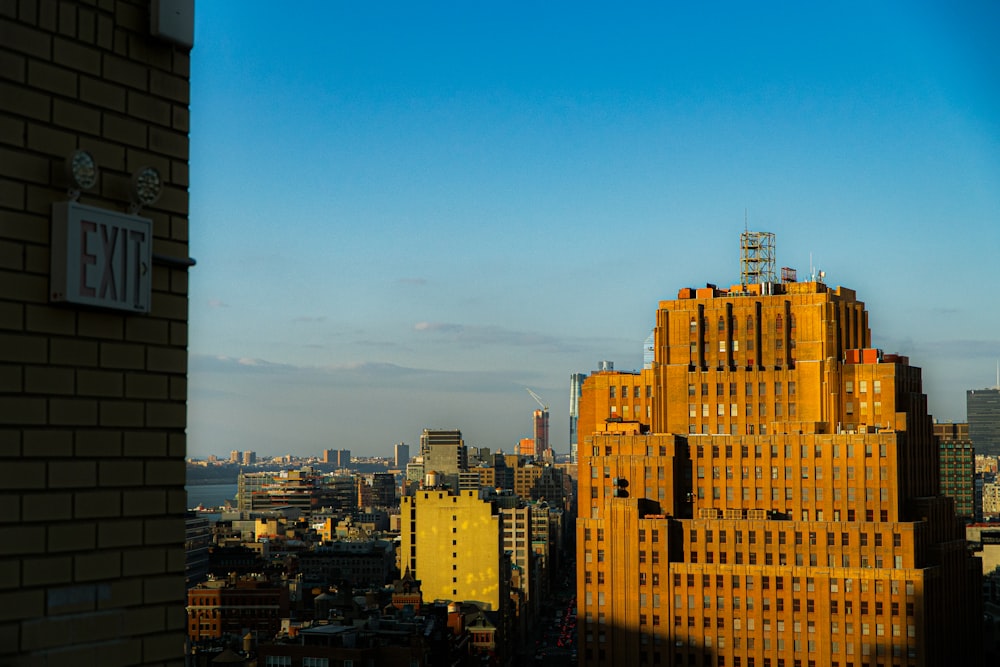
x=404 y=215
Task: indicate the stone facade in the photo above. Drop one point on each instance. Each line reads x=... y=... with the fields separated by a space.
x=92 y=401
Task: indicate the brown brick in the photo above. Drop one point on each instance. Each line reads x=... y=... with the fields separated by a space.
x=23 y=475
x=179 y=333
x=51 y=141
x=65 y=474
x=67 y=20
x=10 y=447
x=99 y=383
x=98 y=443
x=123 y=593
x=12 y=253
x=48 y=442
x=73 y=411
x=53 y=79
x=146 y=386
x=179 y=282
x=125 y=130
x=97 y=504
x=123 y=653
x=97 y=565
x=11 y=315
x=121 y=473
x=21 y=539
x=175 y=88
x=125 y=72
x=100 y=325
x=162 y=647
x=27 y=40
x=176 y=501
x=167 y=360
x=48 y=380
x=102 y=94
x=77 y=56
x=23 y=349
x=162 y=589
x=170 y=143
x=24 y=227
x=21 y=604
x=27 y=286
x=75 y=116
x=177 y=445
x=147 y=330
x=181 y=119
x=137 y=562
x=13 y=131
x=45 y=571
x=21 y=165
x=178 y=388
x=144 y=620
x=180 y=173
x=144 y=502
x=10 y=575
x=136 y=159
x=28 y=11
x=70 y=351
x=165 y=472
x=48 y=16
x=147 y=107
x=36 y=260
x=122 y=413
x=73 y=536
x=105 y=32
x=22 y=410
x=47 y=507
x=166 y=415
x=164 y=531
x=182 y=63
x=11 y=379
x=122 y=355
x=119 y=533
x=13 y=66
x=86 y=26
x=145 y=443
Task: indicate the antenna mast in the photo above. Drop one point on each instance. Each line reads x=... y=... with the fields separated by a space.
x=757 y=258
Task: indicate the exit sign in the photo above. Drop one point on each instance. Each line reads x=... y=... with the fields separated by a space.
x=101 y=258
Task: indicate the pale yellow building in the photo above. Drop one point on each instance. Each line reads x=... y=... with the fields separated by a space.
x=454 y=545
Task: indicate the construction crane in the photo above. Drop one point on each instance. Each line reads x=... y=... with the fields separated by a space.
x=538 y=399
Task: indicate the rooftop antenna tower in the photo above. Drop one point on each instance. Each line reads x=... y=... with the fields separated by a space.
x=756 y=257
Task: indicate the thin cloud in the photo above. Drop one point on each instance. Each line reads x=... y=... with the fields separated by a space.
x=370 y=374
x=309 y=319
x=217 y=303
x=489 y=335
x=414 y=282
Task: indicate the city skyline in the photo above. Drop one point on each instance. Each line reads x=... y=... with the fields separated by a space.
x=403 y=212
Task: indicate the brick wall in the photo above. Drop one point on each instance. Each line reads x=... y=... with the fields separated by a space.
x=92 y=402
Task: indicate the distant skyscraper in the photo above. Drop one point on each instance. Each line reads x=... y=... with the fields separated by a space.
x=234 y=456
x=343 y=458
x=983 y=411
x=784 y=507
x=249 y=458
x=329 y=455
x=540 y=428
x=402 y=454
x=958 y=467
x=575 y=383
x=444 y=452
x=649 y=350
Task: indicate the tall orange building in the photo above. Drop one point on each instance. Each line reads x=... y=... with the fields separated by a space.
x=766 y=495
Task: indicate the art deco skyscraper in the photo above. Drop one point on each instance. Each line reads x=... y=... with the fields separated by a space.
x=766 y=495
